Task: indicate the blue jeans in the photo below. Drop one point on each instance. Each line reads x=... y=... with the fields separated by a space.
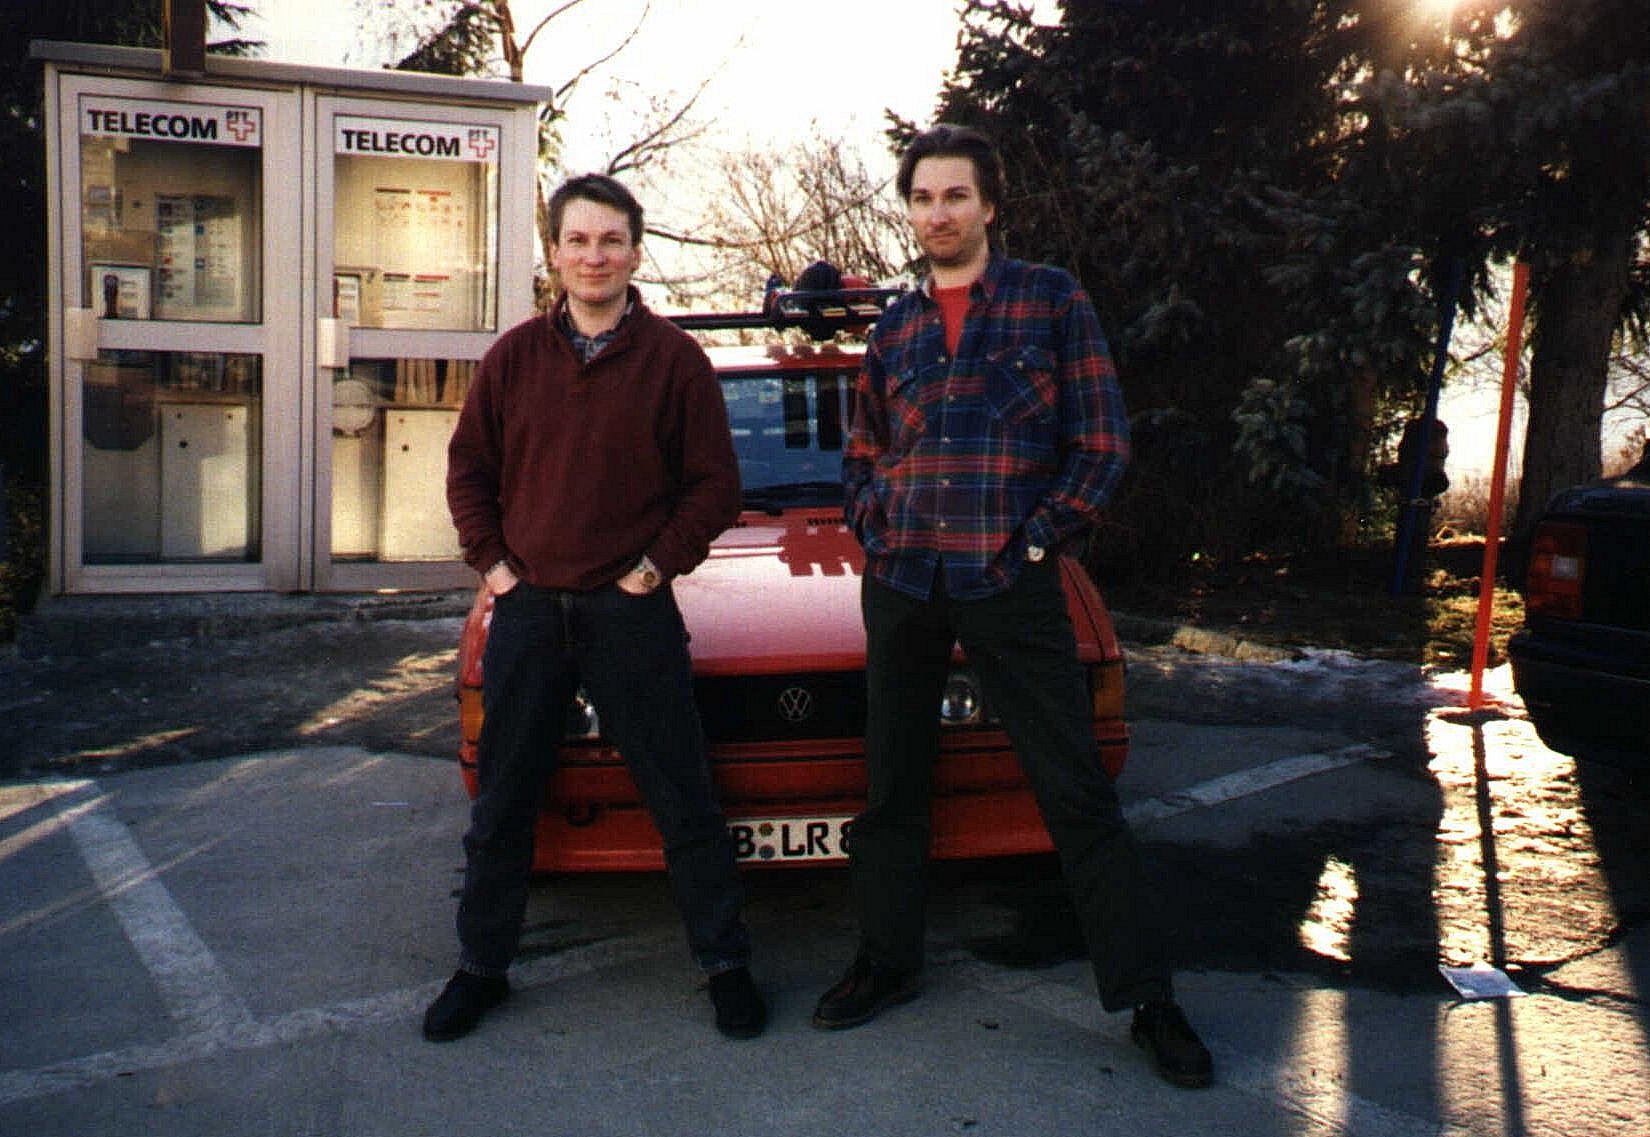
x=1021 y=645
x=630 y=652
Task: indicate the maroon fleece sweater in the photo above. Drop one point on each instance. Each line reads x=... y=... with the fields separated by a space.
x=574 y=470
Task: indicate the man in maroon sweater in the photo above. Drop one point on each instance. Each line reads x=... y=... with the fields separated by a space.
x=591 y=464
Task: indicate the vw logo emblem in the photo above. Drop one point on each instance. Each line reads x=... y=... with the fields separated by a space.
x=795 y=704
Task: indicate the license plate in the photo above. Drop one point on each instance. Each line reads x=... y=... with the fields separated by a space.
x=792 y=839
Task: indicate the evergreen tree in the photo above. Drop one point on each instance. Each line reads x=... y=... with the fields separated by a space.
x=1181 y=159
x=1526 y=137
x=1571 y=92
x=23 y=418
x=1269 y=199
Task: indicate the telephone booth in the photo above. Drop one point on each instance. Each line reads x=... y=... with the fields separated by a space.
x=270 y=285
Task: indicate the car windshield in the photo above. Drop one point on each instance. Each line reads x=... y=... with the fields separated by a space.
x=788 y=429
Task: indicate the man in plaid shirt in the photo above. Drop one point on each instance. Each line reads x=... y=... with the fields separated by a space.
x=989 y=432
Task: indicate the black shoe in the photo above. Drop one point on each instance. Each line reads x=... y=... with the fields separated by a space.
x=459 y=1007
x=861 y=994
x=740 y=1011
x=1181 y=1057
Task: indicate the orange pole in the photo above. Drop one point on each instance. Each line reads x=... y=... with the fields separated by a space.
x=1498 y=481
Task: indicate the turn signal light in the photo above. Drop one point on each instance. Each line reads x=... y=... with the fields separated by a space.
x=1106 y=689
x=582 y=721
x=469 y=713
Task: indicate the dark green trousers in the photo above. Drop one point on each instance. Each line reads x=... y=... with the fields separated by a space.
x=1020 y=643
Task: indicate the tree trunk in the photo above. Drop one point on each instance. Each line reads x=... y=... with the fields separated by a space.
x=1576 y=308
x=513 y=56
x=1355 y=468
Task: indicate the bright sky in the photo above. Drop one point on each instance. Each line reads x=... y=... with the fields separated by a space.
x=775 y=65
x=778 y=72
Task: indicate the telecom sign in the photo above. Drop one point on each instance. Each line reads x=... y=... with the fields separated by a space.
x=103 y=117
x=400 y=138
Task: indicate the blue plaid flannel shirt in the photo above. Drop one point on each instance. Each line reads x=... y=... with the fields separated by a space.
x=961 y=464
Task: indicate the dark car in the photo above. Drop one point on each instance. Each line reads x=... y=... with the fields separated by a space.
x=1581 y=662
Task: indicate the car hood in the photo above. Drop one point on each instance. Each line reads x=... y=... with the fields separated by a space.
x=777 y=594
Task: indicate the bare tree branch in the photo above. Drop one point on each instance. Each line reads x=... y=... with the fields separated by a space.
x=567 y=88
x=774 y=213
x=542 y=24
x=660 y=136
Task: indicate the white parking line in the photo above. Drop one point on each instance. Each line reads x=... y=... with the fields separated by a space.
x=393 y=1008
x=197 y=993
x=215 y=1020
x=1254 y=780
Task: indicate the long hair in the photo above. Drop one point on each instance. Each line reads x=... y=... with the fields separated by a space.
x=944 y=140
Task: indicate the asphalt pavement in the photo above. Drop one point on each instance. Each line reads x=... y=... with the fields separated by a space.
x=244 y=941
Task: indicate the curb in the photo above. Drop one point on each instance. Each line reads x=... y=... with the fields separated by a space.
x=83 y=625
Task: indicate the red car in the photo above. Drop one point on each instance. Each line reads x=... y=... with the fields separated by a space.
x=778 y=646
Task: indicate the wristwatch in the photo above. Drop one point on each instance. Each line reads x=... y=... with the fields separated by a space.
x=650 y=573
x=1034 y=553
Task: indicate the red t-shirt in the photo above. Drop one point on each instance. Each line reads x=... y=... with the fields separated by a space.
x=953 y=304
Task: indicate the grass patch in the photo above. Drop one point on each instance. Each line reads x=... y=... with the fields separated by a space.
x=1339 y=599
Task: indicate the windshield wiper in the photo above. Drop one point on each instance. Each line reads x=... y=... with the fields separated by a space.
x=773 y=499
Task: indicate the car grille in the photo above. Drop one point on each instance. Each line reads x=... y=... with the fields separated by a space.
x=781 y=708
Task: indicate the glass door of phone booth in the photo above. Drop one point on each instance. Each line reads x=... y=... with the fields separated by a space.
x=173 y=242
x=408 y=250
x=273 y=294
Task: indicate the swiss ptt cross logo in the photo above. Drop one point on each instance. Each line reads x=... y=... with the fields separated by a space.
x=481 y=142
x=243 y=124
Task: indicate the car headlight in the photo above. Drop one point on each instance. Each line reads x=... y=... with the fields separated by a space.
x=961 y=703
x=581 y=717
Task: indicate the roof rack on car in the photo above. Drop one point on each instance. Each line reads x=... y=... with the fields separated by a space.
x=847 y=304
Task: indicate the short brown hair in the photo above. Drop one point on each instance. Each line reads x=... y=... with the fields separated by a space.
x=602 y=190
x=944 y=140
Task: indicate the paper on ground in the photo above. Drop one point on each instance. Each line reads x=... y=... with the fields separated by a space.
x=1480 y=981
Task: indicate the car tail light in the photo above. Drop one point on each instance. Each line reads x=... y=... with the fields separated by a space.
x=1558 y=568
